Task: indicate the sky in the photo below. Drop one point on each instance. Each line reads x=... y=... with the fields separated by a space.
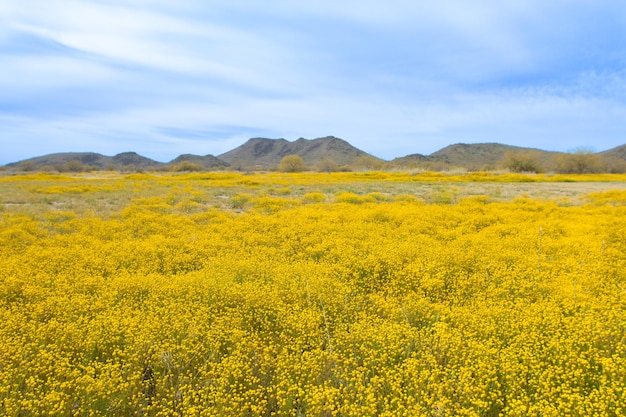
x=164 y=77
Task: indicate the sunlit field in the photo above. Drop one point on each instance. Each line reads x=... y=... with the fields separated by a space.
x=344 y=294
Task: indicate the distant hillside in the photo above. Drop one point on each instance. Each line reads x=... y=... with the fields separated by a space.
x=472 y=156
x=269 y=152
x=618 y=152
x=409 y=160
x=77 y=161
x=56 y=159
x=477 y=155
x=207 y=161
x=134 y=159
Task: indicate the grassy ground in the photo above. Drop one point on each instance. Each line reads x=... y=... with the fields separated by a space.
x=103 y=193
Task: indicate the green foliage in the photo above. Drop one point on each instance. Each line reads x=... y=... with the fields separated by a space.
x=368 y=163
x=615 y=165
x=327 y=165
x=314 y=197
x=582 y=161
x=292 y=163
x=445 y=195
x=72 y=166
x=27 y=166
x=523 y=162
x=187 y=166
x=352 y=198
x=239 y=201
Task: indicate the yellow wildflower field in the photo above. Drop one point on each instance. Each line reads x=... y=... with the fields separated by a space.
x=349 y=294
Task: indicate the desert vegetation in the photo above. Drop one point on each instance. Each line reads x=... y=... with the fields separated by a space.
x=317 y=294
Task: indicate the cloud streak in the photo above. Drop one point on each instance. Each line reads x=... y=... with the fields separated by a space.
x=165 y=78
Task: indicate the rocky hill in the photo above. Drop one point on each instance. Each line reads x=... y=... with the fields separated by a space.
x=263 y=153
x=618 y=152
x=55 y=159
x=72 y=161
x=131 y=158
x=269 y=152
x=474 y=156
x=81 y=161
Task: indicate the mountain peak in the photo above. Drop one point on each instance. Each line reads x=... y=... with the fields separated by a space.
x=268 y=152
x=133 y=158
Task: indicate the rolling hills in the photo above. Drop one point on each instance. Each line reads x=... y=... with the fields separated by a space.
x=266 y=154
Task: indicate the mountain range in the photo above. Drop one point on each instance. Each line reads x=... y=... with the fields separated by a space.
x=264 y=154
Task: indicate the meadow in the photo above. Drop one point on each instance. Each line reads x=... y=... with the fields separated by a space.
x=310 y=294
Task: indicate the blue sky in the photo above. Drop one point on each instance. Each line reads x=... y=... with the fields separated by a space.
x=393 y=78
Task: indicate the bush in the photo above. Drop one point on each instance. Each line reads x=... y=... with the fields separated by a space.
x=292 y=163
x=239 y=201
x=327 y=165
x=615 y=165
x=72 y=166
x=523 y=162
x=581 y=161
x=368 y=163
x=27 y=166
x=352 y=198
x=314 y=197
x=187 y=166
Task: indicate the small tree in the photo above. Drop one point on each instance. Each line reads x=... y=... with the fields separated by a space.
x=292 y=163
x=615 y=165
x=74 y=166
x=327 y=165
x=27 y=166
x=187 y=166
x=522 y=162
x=368 y=163
x=582 y=161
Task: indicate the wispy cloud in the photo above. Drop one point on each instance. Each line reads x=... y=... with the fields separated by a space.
x=164 y=78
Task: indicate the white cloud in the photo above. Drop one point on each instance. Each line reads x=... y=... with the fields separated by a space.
x=386 y=129
x=57 y=71
x=392 y=78
x=141 y=37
